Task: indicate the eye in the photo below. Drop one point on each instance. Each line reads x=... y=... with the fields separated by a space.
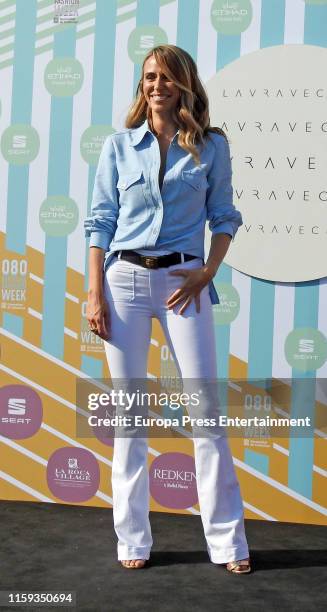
x=151 y=75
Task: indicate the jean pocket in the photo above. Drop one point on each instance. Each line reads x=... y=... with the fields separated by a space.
x=120 y=282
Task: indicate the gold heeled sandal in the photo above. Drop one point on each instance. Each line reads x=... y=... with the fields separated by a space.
x=144 y=563
x=242 y=566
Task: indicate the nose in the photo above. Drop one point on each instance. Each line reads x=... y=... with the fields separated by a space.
x=157 y=82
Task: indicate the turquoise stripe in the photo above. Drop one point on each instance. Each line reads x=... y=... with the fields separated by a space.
x=187 y=35
x=258 y=461
x=147 y=13
x=228 y=49
x=17 y=202
x=13 y=323
x=306 y=315
x=61 y=116
x=55 y=259
x=101 y=113
x=306 y=304
x=301 y=450
x=315 y=24
x=104 y=61
x=21 y=110
x=55 y=265
x=23 y=68
x=301 y=454
x=261 y=334
x=93 y=367
x=272 y=23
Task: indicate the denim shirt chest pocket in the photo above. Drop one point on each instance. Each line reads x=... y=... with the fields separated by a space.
x=132 y=197
x=195 y=178
x=192 y=189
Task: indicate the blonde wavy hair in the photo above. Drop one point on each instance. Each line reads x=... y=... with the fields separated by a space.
x=192 y=112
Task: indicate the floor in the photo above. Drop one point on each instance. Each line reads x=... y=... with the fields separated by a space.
x=48 y=547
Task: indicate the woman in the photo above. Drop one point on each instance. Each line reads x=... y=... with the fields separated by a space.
x=157 y=183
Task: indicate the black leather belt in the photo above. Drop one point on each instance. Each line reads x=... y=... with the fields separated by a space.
x=152 y=261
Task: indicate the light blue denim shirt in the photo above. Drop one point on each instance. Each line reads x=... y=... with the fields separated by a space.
x=129 y=211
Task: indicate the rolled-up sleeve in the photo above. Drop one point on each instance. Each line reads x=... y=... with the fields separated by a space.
x=101 y=225
x=222 y=215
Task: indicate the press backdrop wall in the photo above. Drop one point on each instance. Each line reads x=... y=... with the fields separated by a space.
x=64 y=87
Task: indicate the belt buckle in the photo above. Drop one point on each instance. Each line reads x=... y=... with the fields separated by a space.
x=149 y=261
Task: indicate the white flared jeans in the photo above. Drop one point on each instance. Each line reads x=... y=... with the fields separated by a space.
x=135 y=295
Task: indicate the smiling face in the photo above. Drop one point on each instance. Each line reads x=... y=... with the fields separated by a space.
x=161 y=94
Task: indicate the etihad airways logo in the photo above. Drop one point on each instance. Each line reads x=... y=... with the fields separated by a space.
x=230 y=9
x=231 y=16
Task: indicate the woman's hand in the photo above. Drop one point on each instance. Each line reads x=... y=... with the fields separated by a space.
x=195 y=281
x=98 y=315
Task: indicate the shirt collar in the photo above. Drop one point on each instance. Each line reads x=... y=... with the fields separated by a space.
x=138 y=134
